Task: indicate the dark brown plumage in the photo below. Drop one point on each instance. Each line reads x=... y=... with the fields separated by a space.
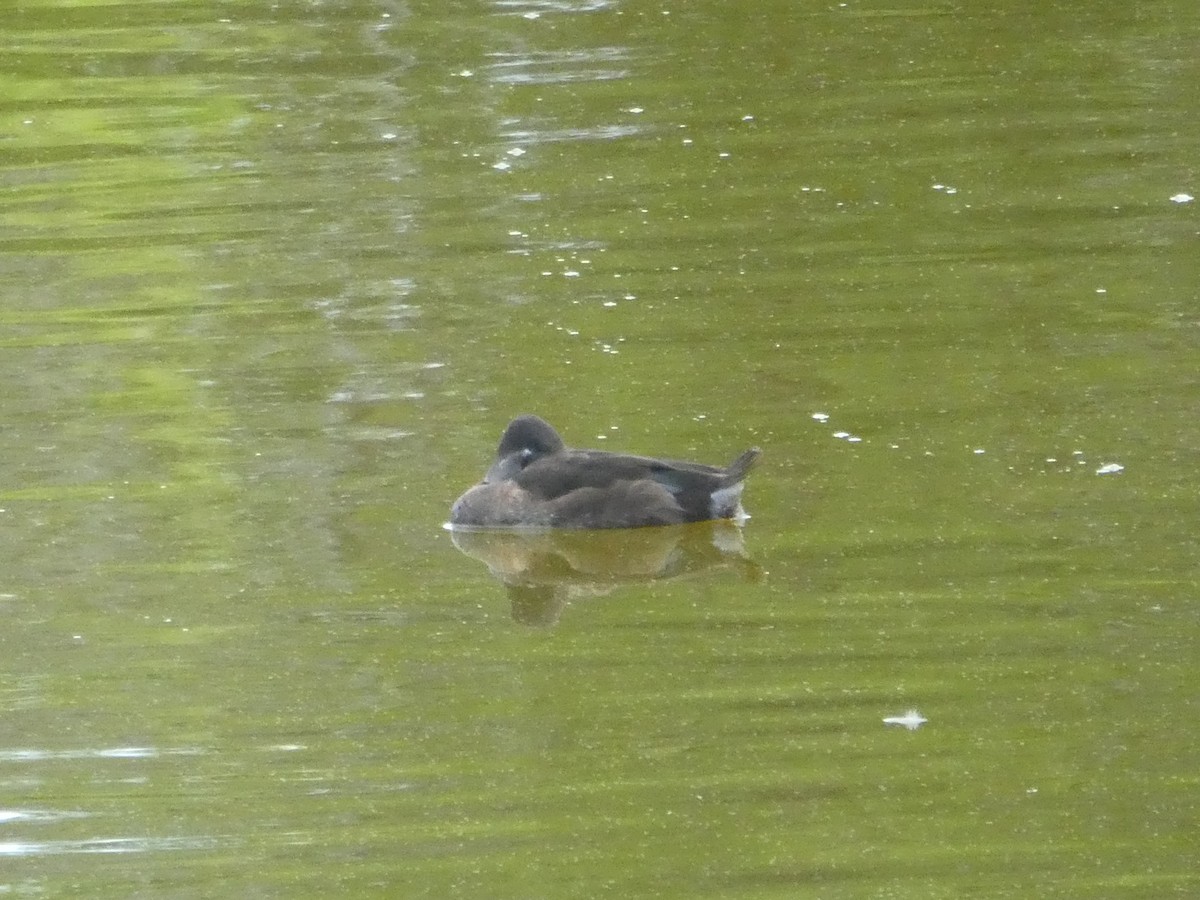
x=536 y=480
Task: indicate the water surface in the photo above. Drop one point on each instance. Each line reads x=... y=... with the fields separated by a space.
x=275 y=279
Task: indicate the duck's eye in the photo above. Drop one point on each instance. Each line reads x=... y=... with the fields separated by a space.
x=526 y=457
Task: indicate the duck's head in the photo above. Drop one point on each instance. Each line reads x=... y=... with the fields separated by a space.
x=525 y=440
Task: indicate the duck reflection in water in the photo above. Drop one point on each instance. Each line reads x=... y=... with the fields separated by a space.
x=533 y=518
x=543 y=571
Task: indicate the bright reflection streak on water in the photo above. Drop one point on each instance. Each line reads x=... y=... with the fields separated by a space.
x=92 y=753
x=105 y=845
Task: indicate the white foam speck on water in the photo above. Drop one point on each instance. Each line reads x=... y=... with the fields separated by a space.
x=912 y=720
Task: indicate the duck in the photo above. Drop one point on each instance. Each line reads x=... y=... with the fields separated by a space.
x=537 y=481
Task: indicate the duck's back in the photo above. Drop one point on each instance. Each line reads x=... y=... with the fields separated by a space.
x=557 y=474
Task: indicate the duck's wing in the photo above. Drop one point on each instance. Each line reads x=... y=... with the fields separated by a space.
x=678 y=476
x=557 y=474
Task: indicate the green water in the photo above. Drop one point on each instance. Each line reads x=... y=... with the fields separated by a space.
x=274 y=279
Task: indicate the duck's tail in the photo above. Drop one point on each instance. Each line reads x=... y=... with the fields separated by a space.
x=740 y=467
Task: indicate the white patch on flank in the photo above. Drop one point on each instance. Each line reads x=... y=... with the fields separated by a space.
x=726 y=502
